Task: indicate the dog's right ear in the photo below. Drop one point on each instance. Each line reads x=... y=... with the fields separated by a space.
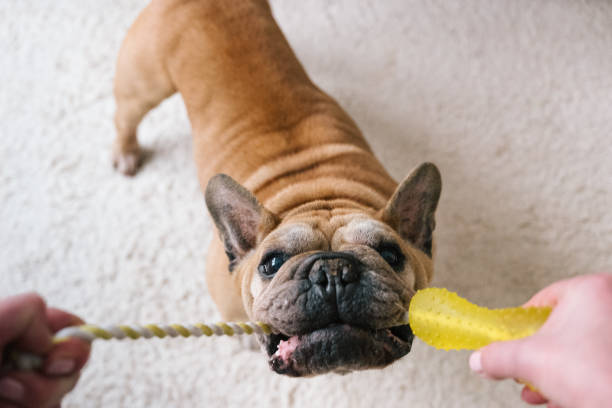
x=241 y=220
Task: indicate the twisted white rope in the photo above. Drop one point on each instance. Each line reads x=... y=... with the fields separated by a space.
x=87 y=332
x=119 y=332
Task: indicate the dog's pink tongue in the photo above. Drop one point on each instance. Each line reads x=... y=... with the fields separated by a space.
x=287 y=347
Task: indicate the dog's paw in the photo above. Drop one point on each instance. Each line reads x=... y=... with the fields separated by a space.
x=127 y=162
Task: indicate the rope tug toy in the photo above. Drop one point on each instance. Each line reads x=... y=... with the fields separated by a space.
x=438 y=317
x=90 y=332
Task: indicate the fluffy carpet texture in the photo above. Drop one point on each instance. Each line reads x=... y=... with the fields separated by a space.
x=512 y=100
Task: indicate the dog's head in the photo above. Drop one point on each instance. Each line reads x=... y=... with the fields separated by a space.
x=334 y=281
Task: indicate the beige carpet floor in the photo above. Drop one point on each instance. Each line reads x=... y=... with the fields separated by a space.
x=512 y=100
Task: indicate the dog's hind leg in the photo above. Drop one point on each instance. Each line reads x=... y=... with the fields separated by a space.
x=141 y=83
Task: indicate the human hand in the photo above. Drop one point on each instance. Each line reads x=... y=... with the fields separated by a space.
x=569 y=360
x=28 y=325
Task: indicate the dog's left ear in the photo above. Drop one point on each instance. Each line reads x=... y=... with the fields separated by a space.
x=411 y=208
x=239 y=217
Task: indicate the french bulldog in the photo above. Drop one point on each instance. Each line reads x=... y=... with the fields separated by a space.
x=315 y=238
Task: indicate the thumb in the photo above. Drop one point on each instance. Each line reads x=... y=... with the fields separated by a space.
x=507 y=359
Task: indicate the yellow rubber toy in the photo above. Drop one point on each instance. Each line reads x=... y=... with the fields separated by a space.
x=446 y=321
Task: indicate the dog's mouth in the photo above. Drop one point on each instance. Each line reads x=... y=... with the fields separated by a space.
x=339 y=348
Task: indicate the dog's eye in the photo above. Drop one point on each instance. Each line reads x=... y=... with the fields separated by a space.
x=271 y=264
x=393 y=256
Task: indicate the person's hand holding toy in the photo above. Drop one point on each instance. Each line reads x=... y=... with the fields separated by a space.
x=26 y=324
x=569 y=360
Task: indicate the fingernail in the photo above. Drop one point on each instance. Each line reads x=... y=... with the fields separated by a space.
x=60 y=367
x=476 y=362
x=11 y=390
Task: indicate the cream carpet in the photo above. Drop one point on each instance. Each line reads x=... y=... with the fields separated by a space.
x=512 y=100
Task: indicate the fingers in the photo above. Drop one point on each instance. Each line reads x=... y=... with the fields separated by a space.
x=67 y=357
x=532 y=397
x=28 y=325
x=58 y=319
x=11 y=391
x=23 y=321
x=30 y=389
x=508 y=359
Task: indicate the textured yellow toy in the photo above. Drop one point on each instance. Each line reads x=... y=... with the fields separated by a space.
x=446 y=321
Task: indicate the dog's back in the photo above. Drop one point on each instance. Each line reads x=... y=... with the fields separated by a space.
x=249 y=101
